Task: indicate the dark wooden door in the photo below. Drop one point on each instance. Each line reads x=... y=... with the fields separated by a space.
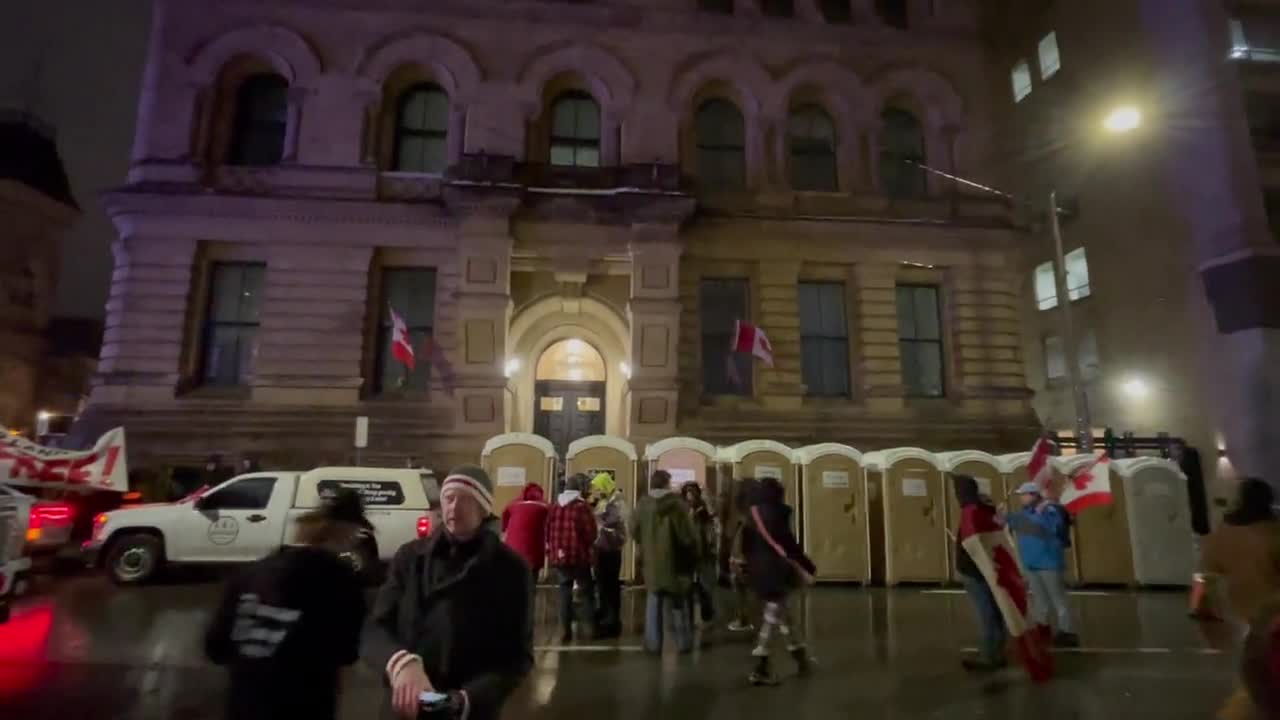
x=565 y=411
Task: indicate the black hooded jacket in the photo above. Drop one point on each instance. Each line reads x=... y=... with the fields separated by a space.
x=770 y=547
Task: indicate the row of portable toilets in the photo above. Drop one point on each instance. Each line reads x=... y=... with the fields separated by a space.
x=884 y=517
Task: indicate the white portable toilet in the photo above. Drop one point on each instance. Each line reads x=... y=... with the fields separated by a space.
x=687 y=459
x=1104 y=552
x=515 y=459
x=916 y=543
x=761 y=459
x=987 y=470
x=1159 y=513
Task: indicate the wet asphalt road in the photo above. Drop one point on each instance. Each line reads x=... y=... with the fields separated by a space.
x=79 y=647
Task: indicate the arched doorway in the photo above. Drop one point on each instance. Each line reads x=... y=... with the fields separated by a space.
x=569 y=392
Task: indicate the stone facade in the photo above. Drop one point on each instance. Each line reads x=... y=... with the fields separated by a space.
x=1177 y=216
x=526 y=252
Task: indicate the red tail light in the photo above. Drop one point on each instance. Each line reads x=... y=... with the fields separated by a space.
x=424 y=526
x=47 y=514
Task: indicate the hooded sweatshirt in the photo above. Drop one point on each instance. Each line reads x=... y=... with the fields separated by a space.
x=611 y=514
x=662 y=527
x=773 y=555
x=524 y=523
x=1245 y=549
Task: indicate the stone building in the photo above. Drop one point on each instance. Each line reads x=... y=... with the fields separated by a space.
x=573 y=203
x=1175 y=303
x=37 y=208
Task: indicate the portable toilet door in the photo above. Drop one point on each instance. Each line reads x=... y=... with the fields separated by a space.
x=1103 y=548
x=687 y=459
x=514 y=460
x=914 y=515
x=597 y=454
x=1159 y=514
x=1016 y=474
x=834 y=495
x=987 y=471
x=761 y=459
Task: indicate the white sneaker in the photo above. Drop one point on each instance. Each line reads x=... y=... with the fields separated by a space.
x=738 y=626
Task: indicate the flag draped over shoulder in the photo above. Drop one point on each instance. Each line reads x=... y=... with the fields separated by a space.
x=984 y=539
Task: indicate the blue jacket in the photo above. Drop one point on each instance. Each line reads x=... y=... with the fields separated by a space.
x=1039 y=533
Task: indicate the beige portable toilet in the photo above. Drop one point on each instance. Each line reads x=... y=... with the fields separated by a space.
x=914 y=514
x=515 y=459
x=990 y=474
x=1159 y=514
x=687 y=459
x=595 y=454
x=1104 y=552
x=765 y=458
x=1015 y=475
x=834 y=498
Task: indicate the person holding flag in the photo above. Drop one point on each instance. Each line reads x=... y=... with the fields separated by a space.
x=1043 y=531
x=989 y=571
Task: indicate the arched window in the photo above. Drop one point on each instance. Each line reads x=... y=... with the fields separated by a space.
x=575 y=131
x=422 y=129
x=261 y=117
x=811 y=143
x=720 y=137
x=901 y=155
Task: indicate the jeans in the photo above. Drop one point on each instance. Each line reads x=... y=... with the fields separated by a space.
x=569 y=575
x=659 y=606
x=609 y=583
x=703 y=583
x=990 y=622
x=776 y=617
x=1049 y=592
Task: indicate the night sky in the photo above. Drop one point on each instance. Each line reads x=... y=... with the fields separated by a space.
x=91 y=53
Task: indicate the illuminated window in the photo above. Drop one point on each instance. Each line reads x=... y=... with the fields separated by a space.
x=920 y=340
x=551 y=404
x=1077 y=280
x=1055 y=359
x=1050 y=61
x=1021 y=77
x=588 y=404
x=1046 y=288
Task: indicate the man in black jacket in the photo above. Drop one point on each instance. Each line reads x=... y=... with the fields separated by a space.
x=455 y=615
x=292 y=620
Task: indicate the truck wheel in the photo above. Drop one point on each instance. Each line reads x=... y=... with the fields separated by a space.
x=135 y=559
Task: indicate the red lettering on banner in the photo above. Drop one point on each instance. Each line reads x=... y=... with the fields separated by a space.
x=23 y=465
x=113 y=452
x=62 y=470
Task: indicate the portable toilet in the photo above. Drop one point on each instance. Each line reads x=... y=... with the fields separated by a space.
x=761 y=459
x=1104 y=553
x=990 y=474
x=515 y=459
x=687 y=459
x=1159 y=514
x=597 y=454
x=834 y=498
x=914 y=514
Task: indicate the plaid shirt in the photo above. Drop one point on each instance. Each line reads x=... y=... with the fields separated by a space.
x=571 y=531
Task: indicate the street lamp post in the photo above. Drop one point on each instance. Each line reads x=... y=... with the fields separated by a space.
x=1079 y=396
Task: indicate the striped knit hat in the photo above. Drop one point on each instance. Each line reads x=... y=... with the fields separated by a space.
x=473 y=480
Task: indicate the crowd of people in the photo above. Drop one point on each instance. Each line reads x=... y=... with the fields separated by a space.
x=451 y=627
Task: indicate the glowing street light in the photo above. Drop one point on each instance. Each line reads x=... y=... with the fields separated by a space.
x=1136 y=388
x=1123 y=119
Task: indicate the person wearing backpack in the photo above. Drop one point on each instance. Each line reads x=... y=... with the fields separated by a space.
x=1043 y=531
x=664 y=532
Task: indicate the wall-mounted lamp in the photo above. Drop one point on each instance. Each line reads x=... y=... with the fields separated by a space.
x=512 y=367
x=625 y=367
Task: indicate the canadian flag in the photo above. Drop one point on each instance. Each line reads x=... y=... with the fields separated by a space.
x=1039 y=468
x=401 y=349
x=748 y=338
x=982 y=536
x=1089 y=487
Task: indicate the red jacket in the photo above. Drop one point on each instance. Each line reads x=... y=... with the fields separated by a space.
x=571 y=533
x=524 y=526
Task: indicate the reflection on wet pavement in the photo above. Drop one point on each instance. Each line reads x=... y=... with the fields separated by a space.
x=86 y=649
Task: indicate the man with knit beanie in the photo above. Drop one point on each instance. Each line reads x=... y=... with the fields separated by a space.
x=451 y=629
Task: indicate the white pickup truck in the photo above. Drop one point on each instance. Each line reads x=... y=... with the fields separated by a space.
x=15 y=509
x=250 y=516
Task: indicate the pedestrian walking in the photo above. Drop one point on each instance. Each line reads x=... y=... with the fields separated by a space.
x=976 y=512
x=571 y=537
x=776 y=568
x=611 y=523
x=454 y=617
x=524 y=527
x=736 y=561
x=664 y=532
x=1043 y=530
x=289 y=623
x=704 y=528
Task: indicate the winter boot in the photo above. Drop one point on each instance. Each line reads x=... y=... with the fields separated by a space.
x=762 y=675
x=804 y=663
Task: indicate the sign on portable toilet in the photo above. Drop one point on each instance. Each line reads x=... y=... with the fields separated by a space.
x=761 y=459
x=515 y=459
x=596 y=454
x=987 y=470
x=1159 y=514
x=1103 y=549
x=687 y=459
x=833 y=494
x=914 y=517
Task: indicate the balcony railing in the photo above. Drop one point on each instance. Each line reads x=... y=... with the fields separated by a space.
x=499 y=170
